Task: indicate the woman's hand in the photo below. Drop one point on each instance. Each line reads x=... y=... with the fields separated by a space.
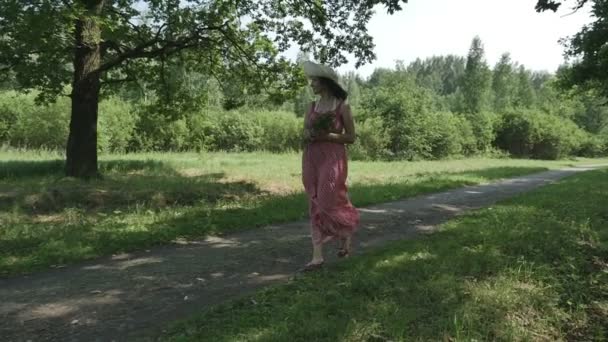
x=309 y=135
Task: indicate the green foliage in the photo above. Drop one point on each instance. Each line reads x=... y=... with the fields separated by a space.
x=587 y=48
x=443 y=135
x=504 y=84
x=483 y=125
x=282 y=130
x=442 y=74
x=117 y=120
x=138 y=39
x=439 y=107
x=352 y=87
x=25 y=124
x=466 y=136
x=402 y=107
x=596 y=145
x=592 y=113
x=372 y=140
x=302 y=101
x=415 y=129
x=151 y=131
x=168 y=46
x=593 y=146
x=232 y=131
x=525 y=93
x=218 y=130
x=533 y=134
x=527 y=269
x=476 y=80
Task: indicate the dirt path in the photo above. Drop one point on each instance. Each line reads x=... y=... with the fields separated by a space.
x=133 y=296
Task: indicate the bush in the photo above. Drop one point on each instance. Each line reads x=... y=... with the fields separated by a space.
x=372 y=140
x=467 y=139
x=275 y=131
x=25 y=124
x=414 y=129
x=592 y=146
x=538 y=135
x=483 y=125
x=233 y=131
x=404 y=109
x=448 y=135
x=282 y=130
x=595 y=145
x=156 y=131
x=116 y=127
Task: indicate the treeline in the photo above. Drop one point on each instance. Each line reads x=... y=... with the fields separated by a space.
x=434 y=108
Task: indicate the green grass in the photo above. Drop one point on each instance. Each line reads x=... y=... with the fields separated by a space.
x=150 y=199
x=533 y=268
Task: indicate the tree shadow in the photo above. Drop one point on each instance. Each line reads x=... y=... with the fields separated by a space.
x=489 y=173
x=128 y=184
x=148 y=203
x=19 y=169
x=434 y=276
x=23 y=169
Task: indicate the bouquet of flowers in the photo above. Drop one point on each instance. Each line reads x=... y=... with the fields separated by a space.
x=323 y=123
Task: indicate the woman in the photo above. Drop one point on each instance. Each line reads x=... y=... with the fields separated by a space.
x=324 y=163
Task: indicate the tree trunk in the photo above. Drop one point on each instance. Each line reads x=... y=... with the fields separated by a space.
x=81 y=154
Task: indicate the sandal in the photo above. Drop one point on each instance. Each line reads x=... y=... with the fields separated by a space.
x=343 y=252
x=312 y=267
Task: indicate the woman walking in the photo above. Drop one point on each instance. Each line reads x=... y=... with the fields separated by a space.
x=328 y=127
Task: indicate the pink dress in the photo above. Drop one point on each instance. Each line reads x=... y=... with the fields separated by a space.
x=324 y=172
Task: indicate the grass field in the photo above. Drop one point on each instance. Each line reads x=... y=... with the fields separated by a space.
x=532 y=268
x=150 y=199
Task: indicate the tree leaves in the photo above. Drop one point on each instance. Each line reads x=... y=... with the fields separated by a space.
x=588 y=49
x=242 y=38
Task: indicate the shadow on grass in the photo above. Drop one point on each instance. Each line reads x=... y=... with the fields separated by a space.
x=17 y=169
x=132 y=209
x=145 y=184
x=526 y=270
x=485 y=277
x=20 y=169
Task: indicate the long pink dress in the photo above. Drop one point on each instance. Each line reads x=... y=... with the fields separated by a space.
x=324 y=173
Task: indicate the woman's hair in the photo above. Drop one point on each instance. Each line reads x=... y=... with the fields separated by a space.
x=334 y=88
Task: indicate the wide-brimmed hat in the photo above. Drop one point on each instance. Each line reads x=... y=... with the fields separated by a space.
x=312 y=69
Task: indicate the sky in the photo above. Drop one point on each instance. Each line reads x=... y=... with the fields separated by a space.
x=439 y=27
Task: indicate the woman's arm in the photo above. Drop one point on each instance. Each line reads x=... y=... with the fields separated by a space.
x=308 y=136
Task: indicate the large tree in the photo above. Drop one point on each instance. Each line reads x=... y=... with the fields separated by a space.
x=79 y=46
x=588 y=48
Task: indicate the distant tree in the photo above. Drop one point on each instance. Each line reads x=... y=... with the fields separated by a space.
x=504 y=84
x=476 y=80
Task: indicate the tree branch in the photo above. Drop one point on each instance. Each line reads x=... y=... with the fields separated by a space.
x=166 y=48
x=111 y=44
x=238 y=46
x=127 y=20
x=119 y=80
x=580 y=5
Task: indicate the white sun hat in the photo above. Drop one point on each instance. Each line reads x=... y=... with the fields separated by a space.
x=312 y=69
